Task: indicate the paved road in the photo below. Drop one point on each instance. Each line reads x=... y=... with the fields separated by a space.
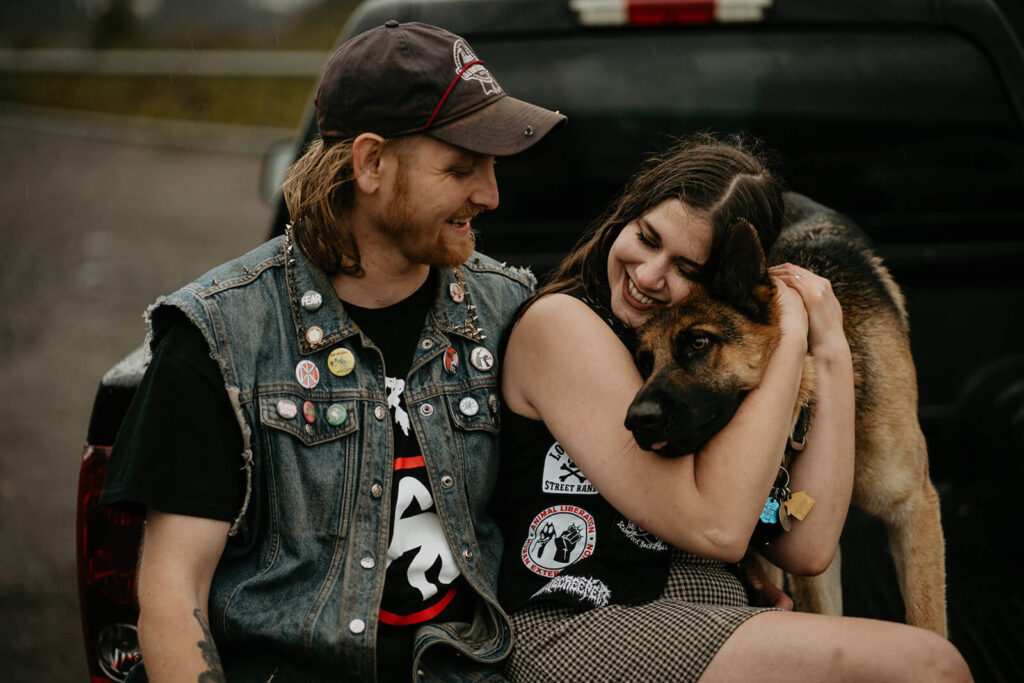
x=92 y=231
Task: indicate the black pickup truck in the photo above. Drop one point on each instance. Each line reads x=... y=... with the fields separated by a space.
x=906 y=115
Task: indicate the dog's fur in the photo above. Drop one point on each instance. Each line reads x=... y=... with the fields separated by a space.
x=693 y=388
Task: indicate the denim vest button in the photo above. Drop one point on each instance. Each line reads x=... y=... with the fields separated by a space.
x=312 y=300
x=287 y=409
x=367 y=563
x=380 y=412
x=468 y=554
x=447 y=481
x=376 y=490
x=492 y=403
x=357 y=626
x=426 y=410
x=427 y=344
x=314 y=335
x=468 y=406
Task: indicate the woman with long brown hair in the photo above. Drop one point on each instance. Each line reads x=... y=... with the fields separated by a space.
x=619 y=564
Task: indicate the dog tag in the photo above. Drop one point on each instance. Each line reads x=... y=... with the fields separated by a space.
x=770 y=513
x=799 y=504
x=785 y=521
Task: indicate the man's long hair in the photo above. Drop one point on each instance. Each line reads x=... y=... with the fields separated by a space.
x=319 y=194
x=726 y=180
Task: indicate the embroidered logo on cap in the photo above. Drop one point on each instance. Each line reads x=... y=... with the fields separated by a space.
x=559 y=536
x=477 y=72
x=561 y=474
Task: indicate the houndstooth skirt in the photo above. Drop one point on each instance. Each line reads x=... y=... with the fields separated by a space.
x=672 y=638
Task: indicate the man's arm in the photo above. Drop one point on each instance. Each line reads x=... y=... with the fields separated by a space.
x=179 y=555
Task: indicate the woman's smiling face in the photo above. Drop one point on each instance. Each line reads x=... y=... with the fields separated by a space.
x=654 y=260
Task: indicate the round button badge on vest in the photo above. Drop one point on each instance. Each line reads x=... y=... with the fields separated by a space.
x=481 y=359
x=312 y=300
x=314 y=335
x=469 y=407
x=451 y=360
x=340 y=362
x=336 y=414
x=307 y=374
x=287 y=409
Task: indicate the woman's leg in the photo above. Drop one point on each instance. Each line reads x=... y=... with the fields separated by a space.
x=794 y=646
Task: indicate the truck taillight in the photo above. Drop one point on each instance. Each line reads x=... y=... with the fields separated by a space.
x=667 y=12
x=107 y=544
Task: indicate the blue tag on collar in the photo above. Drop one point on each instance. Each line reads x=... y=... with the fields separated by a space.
x=770 y=513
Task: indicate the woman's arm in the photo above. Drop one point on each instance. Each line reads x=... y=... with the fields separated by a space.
x=565 y=366
x=825 y=467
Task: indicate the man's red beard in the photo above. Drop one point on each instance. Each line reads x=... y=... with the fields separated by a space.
x=425 y=243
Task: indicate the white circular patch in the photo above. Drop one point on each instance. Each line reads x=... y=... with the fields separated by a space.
x=559 y=536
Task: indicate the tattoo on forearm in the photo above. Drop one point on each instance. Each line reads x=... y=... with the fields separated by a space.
x=209 y=650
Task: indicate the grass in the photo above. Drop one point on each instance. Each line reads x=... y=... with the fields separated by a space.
x=253 y=101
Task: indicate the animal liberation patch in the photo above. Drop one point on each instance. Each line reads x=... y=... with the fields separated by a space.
x=561 y=474
x=559 y=536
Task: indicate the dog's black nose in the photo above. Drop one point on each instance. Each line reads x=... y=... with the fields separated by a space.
x=646 y=420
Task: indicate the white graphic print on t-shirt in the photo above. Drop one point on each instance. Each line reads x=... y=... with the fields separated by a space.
x=395 y=388
x=421 y=531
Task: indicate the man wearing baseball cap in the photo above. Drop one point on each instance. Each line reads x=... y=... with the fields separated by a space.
x=315 y=441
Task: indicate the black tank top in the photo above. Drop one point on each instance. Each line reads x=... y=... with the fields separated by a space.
x=563 y=541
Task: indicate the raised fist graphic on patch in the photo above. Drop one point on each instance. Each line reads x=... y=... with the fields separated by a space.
x=558 y=537
x=566 y=542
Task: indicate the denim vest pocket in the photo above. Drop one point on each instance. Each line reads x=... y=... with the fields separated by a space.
x=313 y=464
x=476 y=409
x=312 y=432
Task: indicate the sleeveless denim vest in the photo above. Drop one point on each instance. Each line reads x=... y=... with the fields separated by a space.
x=303 y=573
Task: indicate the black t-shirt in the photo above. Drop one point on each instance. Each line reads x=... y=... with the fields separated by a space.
x=179 y=448
x=179 y=451
x=412 y=596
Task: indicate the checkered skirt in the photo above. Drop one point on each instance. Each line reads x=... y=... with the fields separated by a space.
x=671 y=638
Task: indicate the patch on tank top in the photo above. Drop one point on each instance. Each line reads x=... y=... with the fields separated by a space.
x=559 y=536
x=640 y=536
x=586 y=589
x=561 y=474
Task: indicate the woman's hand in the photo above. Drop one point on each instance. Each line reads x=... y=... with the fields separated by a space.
x=793 y=320
x=764 y=592
x=823 y=312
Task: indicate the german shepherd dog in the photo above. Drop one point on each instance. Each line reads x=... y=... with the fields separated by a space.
x=701 y=356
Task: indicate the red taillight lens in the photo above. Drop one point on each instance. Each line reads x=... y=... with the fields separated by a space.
x=661 y=13
x=108 y=540
x=107 y=544
x=667 y=12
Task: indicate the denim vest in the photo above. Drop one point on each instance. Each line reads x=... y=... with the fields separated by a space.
x=304 y=571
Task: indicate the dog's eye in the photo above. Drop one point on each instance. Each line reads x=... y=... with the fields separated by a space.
x=699 y=343
x=645 y=363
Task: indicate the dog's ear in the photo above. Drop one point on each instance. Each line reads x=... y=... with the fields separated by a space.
x=740 y=274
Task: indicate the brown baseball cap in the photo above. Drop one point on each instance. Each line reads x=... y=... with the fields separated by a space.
x=398 y=79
